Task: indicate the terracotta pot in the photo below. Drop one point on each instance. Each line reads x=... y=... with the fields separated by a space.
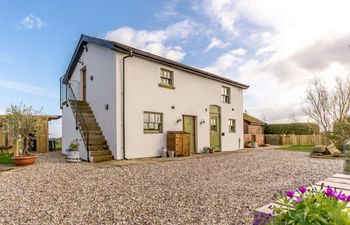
x=24 y=160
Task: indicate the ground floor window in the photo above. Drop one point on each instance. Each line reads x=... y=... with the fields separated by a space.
x=232 y=126
x=152 y=122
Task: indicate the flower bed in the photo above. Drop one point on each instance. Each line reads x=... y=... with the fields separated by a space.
x=308 y=206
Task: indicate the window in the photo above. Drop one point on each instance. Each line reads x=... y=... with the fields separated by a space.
x=152 y=122
x=225 y=94
x=232 y=126
x=213 y=124
x=166 y=78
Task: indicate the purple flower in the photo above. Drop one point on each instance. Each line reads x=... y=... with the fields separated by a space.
x=290 y=193
x=297 y=199
x=341 y=197
x=302 y=189
x=330 y=192
x=348 y=198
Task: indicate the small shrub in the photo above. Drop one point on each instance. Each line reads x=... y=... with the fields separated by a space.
x=293 y=128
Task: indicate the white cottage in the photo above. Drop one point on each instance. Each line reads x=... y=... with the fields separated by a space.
x=119 y=102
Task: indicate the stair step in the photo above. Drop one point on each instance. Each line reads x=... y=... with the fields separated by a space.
x=89 y=127
x=101 y=158
x=98 y=147
x=96 y=137
x=88 y=115
x=100 y=152
x=79 y=102
x=93 y=132
x=98 y=142
x=89 y=111
x=89 y=120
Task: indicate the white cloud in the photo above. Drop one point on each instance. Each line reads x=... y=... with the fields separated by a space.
x=223 y=13
x=294 y=41
x=227 y=62
x=217 y=43
x=32 y=22
x=29 y=89
x=156 y=41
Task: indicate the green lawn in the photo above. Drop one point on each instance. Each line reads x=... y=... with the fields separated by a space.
x=58 y=145
x=303 y=148
x=6 y=158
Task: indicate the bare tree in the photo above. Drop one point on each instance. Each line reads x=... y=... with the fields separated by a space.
x=327 y=106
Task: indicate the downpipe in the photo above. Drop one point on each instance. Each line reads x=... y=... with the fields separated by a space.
x=123 y=105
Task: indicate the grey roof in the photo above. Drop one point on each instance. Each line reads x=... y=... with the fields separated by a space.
x=84 y=39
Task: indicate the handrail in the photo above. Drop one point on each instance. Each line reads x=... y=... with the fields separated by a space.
x=63 y=92
x=76 y=113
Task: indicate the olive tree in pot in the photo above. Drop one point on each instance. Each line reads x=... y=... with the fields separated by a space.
x=73 y=151
x=20 y=122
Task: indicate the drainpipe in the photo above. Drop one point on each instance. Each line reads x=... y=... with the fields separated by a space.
x=123 y=106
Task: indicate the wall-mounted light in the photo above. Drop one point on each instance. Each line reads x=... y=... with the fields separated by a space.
x=233 y=109
x=202 y=122
x=81 y=62
x=178 y=120
x=106 y=107
x=91 y=77
x=172 y=107
x=206 y=109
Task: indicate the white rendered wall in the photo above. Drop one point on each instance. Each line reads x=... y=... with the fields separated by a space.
x=192 y=96
x=69 y=133
x=99 y=63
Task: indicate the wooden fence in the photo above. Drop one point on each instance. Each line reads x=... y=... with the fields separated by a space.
x=277 y=139
x=42 y=136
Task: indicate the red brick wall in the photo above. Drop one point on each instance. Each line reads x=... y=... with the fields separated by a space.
x=255 y=129
x=258 y=138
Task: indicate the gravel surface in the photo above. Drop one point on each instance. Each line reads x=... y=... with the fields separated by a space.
x=214 y=190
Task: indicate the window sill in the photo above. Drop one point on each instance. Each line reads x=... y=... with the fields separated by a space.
x=152 y=132
x=166 y=86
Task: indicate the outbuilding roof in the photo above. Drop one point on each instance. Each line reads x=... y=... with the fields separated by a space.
x=84 y=40
x=252 y=120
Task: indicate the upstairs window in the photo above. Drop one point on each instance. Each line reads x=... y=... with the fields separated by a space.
x=152 y=122
x=166 y=78
x=225 y=94
x=232 y=126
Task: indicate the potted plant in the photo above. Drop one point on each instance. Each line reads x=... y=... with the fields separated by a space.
x=73 y=151
x=206 y=149
x=163 y=152
x=171 y=153
x=21 y=122
x=211 y=150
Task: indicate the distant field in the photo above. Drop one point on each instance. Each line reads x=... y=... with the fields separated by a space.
x=6 y=158
x=302 y=148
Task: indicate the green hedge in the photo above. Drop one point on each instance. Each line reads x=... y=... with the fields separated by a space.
x=292 y=128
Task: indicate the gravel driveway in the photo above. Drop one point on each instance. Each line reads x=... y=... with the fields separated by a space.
x=213 y=190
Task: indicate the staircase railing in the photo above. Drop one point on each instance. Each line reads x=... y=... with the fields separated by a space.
x=63 y=93
x=78 y=115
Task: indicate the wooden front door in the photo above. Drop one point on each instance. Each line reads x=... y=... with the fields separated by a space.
x=215 y=128
x=83 y=84
x=189 y=127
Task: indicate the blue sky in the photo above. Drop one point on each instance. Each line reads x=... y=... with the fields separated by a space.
x=270 y=45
